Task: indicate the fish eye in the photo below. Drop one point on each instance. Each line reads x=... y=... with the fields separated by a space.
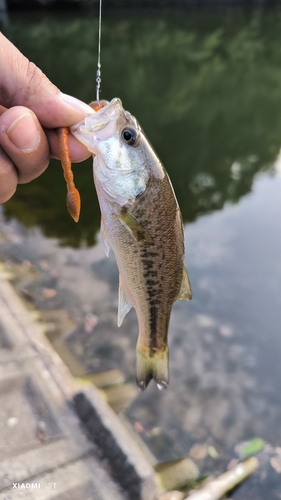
x=129 y=136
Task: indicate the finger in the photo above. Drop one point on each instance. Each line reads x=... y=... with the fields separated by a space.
x=8 y=177
x=24 y=141
x=22 y=83
x=78 y=152
x=2 y=110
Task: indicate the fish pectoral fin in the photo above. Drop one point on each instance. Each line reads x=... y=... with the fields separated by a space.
x=104 y=238
x=134 y=226
x=124 y=304
x=185 y=291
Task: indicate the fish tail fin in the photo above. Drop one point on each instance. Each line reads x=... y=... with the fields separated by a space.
x=152 y=365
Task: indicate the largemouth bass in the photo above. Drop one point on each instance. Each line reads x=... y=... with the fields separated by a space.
x=142 y=223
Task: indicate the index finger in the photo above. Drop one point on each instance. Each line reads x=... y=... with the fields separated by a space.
x=24 y=84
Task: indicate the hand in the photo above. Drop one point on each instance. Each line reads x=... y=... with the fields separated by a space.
x=31 y=107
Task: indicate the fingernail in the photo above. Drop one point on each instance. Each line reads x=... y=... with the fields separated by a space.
x=23 y=133
x=76 y=104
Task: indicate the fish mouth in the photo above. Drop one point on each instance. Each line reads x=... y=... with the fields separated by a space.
x=109 y=112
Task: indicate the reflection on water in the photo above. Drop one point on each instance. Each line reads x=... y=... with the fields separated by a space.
x=205 y=87
x=207 y=90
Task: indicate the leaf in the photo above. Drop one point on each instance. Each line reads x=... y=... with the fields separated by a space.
x=212 y=452
x=250 y=447
x=49 y=293
x=276 y=464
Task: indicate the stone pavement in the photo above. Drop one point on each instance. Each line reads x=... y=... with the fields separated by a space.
x=44 y=450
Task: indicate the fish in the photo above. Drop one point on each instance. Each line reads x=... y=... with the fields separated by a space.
x=142 y=223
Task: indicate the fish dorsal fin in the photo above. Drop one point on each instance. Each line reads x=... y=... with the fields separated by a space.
x=185 y=291
x=134 y=226
x=104 y=238
x=124 y=304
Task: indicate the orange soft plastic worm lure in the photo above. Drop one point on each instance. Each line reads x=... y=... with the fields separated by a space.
x=73 y=201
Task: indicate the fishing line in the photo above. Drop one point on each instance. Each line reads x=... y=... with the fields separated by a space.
x=98 y=74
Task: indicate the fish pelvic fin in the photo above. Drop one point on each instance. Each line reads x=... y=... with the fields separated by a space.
x=152 y=365
x=185 y=292
x=124 y=304
x=104 y=238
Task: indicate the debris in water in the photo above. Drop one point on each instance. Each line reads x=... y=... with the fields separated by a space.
x=215 y=489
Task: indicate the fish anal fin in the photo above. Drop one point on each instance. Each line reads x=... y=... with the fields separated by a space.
x=124 y=304
x=104 y=238
x=185 y=292
x=152 y=366
x=132 y=224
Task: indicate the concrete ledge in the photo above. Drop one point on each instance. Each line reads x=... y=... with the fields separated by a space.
x=27 y=354
x=129 y=465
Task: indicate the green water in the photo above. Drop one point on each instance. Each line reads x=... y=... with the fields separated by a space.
x=205 y=87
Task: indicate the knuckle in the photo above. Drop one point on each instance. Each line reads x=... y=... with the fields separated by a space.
x=34 y=76
x=33 y=80
x=33 y=73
